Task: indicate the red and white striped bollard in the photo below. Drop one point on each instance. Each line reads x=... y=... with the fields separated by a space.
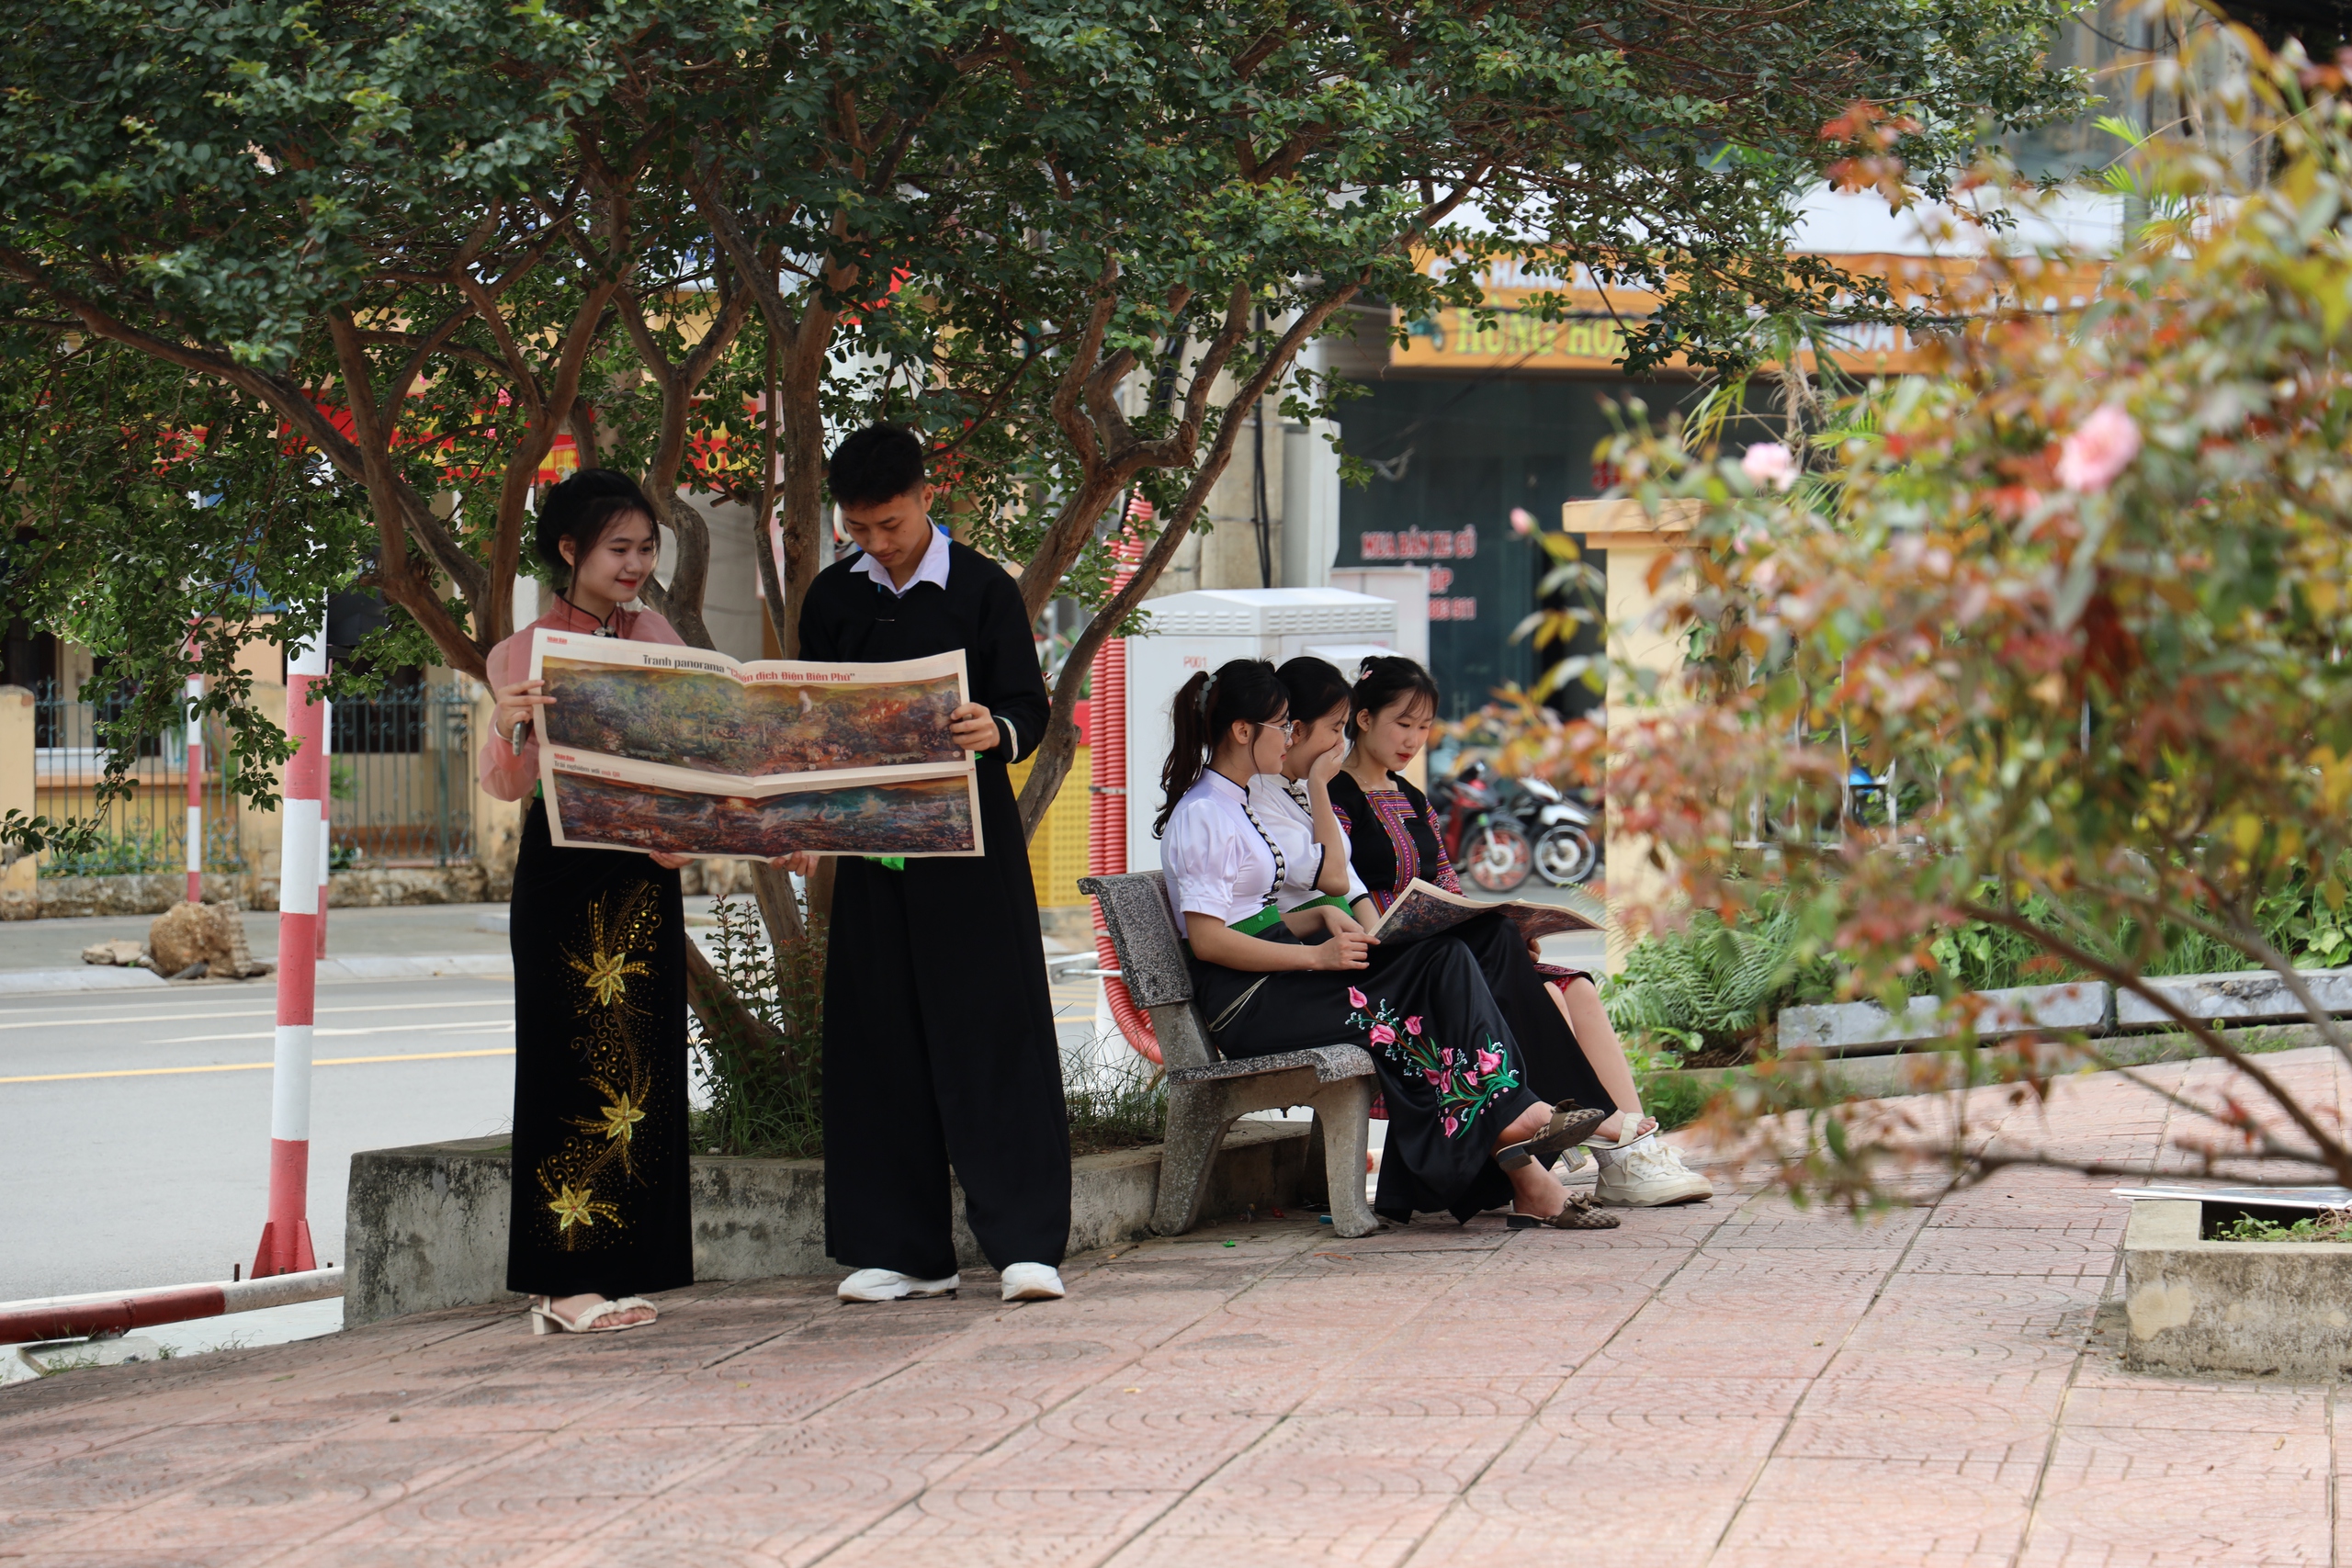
x=286 y=1238
x=195 y=787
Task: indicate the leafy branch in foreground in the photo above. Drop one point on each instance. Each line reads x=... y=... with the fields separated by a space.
x=2090 y=583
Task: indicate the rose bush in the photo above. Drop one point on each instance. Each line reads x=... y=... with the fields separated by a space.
x=2081 y=600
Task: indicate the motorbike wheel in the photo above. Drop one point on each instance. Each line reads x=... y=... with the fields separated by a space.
x=1499 y=856
x=1565 y=856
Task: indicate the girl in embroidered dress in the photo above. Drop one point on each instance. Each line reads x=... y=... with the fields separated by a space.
x=1571 y=1050
x=600 y=1204
x=1465 y=1132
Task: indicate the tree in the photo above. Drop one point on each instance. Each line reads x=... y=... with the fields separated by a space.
x=1253 y=173
x=368 y=223
x=429 y=241
x=2087 y=592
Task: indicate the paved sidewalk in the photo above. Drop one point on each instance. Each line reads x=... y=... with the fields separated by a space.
x=1733 y=1383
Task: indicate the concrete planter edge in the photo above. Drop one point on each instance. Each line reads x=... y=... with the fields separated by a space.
x=426 y=1226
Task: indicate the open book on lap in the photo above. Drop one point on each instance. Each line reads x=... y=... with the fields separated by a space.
x=1425 y=909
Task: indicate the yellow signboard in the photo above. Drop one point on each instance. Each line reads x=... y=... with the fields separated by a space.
x=1591 y=336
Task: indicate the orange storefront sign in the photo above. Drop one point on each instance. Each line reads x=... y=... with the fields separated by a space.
x=1590 y=334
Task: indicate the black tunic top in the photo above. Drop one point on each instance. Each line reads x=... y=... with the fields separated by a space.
x=1391 y=837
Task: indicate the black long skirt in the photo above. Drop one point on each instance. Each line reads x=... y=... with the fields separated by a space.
x=1448 y=1067
x=600 y=1201
x=1557 y=1069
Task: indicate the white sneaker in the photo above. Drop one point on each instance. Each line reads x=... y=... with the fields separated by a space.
x=889 y=1285
x=1645 y=1173
x=1031 y=1282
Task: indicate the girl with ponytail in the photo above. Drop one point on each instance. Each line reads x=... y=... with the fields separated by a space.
x=1465 y=1132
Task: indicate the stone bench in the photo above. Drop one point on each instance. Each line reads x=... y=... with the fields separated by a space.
x=1208 y=1093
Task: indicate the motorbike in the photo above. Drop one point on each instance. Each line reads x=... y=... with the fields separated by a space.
x=1561 y=830
x=1484 y=840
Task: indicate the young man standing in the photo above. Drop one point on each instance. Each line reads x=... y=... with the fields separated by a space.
x=940 y=1050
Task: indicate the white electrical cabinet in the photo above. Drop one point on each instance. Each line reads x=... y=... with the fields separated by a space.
x=1191 y=632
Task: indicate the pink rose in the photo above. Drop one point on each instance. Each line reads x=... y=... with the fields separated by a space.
x=1452 y=1126
x=1355 y=998
x=1383 y=1035
x=1769 y=463
x=1522 y=520
x=1489 y=1060
x=2101 y=448
x=1413 y=1025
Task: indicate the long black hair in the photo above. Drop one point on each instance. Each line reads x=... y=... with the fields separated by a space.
x=1246 y=691
x=582 y=509
x=1315 y=684
x=1383 y=680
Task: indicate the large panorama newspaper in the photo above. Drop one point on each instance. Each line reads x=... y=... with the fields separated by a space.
x=653 y=747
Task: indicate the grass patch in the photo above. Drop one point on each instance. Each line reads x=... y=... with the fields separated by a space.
x=1114 y=1097
x=2329 y=1225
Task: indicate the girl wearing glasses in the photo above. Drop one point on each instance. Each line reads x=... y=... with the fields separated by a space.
x=1464 y=1131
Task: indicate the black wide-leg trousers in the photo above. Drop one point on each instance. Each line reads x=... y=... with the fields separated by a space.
x=600 y=1197
x=940 y=1055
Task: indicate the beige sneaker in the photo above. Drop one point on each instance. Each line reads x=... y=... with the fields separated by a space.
x=1645 y=1173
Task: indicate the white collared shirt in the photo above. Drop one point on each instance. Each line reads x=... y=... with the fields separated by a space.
x=934 y=568
x=1283 y=806
x=1212 y=860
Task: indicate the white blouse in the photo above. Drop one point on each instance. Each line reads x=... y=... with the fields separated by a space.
x=1215 y=862
x=1281 y=805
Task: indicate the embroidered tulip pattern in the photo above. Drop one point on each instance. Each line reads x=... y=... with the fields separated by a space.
x=1462 y=1081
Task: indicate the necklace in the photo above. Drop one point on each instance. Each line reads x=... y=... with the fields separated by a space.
x=603 y=627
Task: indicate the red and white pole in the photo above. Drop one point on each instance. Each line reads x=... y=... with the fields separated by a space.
x=326 y=804
x=286 y=1238
x=195 y=785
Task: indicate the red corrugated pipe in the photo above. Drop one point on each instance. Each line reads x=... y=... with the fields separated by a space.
x=1107 y=803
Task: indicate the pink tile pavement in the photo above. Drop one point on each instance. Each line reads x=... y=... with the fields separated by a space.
x=1732 y=1384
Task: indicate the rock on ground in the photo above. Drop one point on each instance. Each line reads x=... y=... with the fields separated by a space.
x=120 y=951
x=207 y=933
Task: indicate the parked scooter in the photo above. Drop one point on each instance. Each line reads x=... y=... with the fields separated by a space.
x=1561 y=830
x=1482 y=840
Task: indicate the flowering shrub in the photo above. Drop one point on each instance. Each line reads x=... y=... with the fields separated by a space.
x=2086 y=593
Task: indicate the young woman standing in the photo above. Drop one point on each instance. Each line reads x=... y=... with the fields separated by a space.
x=1571 y=1050
x=600 y=1207
x=1465 y=1132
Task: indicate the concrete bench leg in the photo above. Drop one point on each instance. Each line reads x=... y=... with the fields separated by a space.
x=1343 y=1117
x=1198 y=1115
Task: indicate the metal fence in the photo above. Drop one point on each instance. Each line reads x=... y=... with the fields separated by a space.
x=147 y=832
x=401 y=769
x=400 y=762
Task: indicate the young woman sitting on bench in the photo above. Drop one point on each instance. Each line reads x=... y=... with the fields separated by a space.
x=1465 y=1132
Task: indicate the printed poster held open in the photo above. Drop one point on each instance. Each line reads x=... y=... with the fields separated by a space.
x=681 y=750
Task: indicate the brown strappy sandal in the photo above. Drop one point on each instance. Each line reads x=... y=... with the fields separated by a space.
x=1567 y=1128
x=1579 y=1215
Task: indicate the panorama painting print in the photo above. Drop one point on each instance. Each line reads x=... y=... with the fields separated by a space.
x=907 y=817
x=716 y=724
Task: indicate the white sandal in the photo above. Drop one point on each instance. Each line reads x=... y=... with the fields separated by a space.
x=545 y=1319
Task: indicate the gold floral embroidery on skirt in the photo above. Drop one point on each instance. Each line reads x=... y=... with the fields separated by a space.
x=607 y=1029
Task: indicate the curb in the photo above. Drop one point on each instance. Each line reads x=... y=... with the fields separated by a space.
x=103 y=978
